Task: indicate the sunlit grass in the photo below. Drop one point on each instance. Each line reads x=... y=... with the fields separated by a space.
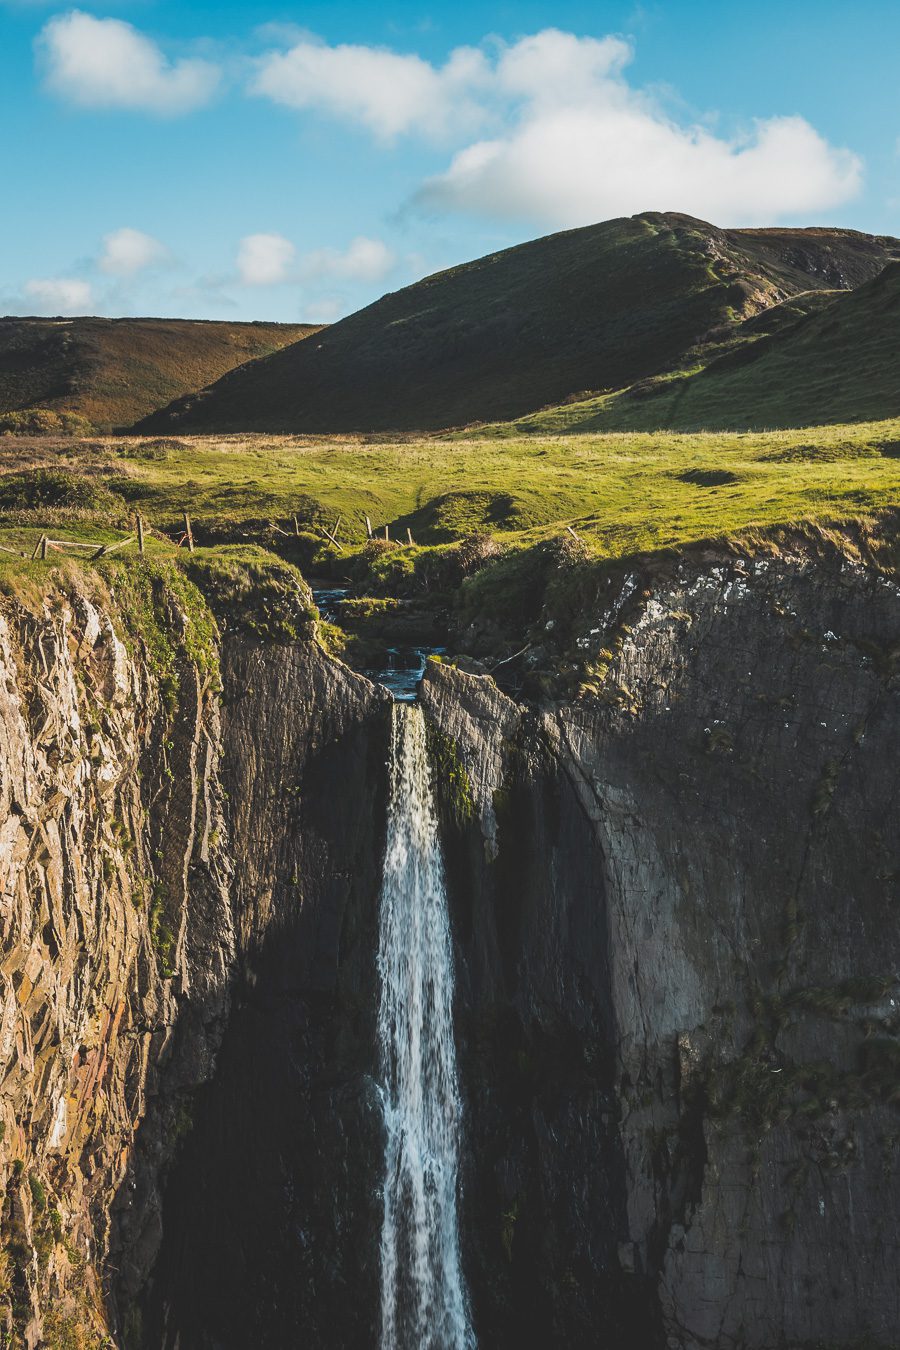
x=621 y=492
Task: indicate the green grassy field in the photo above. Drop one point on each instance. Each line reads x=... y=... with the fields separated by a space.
x=622 y=493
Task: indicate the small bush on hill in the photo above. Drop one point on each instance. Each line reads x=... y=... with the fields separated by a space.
x=253 y=592
x=43 y=422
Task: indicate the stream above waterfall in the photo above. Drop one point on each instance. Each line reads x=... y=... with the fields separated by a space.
x=402 y=665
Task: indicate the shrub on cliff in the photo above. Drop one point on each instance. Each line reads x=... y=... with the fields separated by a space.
x=254 y=592
x=385 y=566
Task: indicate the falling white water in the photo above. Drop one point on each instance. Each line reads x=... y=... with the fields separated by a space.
x=423 y=1299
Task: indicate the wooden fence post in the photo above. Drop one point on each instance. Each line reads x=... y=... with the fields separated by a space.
x=296 y=527
x=188 y=532
x=104 y=549
x=386 y=535
x=409 y=535
x=368 y=527
x=140 y=530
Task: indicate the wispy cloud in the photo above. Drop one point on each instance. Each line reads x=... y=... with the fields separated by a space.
x=363 y=260
x=107 y=63
x=264 y=259
x=126 y=252
x=271 y=259
x=59 y=295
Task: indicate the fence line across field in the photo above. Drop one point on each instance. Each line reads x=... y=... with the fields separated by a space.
x=97 y=549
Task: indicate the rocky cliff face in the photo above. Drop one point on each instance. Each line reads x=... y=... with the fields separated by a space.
x=117 y=938
x=272 y=1214
x=675 y=904
x=183 y=843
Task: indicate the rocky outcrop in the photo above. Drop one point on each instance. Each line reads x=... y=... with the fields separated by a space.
x=674 y=901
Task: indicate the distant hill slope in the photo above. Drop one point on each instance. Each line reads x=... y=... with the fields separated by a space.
x=837 y=364
x=590 y=309
x=113 y=371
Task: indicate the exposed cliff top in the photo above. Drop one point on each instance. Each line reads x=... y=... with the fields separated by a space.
x=589 y=309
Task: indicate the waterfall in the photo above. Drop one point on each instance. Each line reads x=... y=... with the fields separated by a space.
x=423 y=1298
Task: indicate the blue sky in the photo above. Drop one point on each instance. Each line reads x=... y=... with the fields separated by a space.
x=295 y=161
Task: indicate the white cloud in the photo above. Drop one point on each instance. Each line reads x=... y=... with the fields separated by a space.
x=127 y=252
x=59 y=295
x=553 y=68
x=264 y=259
x=363 y=260
x=571 y=140
x=324 y=309
x=577 y=165
x=387 y=92
x=107 y=63
x=584 y=145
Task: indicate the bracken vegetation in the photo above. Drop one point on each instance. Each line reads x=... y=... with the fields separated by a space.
x=63 y=376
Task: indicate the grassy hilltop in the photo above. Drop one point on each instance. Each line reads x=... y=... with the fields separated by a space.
x=111 y=372
x=506 y=533
x=588 y=310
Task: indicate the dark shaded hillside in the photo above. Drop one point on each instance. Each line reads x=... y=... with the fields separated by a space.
x=113 y=371
x=590 y=309
x=840 y=364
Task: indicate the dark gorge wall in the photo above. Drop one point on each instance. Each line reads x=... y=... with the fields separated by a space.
x=544 y=1184
x=675 y=903
x=272 y=1214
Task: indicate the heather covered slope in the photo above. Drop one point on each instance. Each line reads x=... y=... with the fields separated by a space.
x=838 y=364
x=112 y=371
x=592 y=309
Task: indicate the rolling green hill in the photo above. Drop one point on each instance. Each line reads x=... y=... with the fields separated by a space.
x=110 y=372
x=840 y=363
x=587 y=310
